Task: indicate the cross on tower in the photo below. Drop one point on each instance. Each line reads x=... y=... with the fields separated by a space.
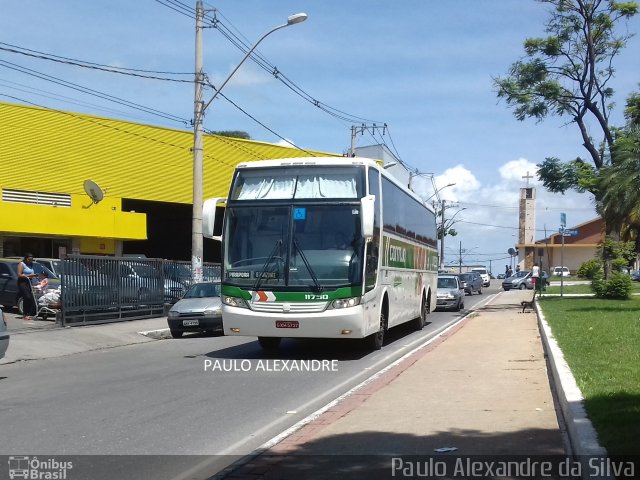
x=527 y=177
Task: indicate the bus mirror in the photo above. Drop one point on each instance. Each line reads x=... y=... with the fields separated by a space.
x=209 y=229
x=367 y=207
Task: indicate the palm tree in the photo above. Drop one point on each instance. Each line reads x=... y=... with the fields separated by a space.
x=620 y=186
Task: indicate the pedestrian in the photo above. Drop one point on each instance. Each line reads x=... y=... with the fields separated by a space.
x=517 y=268
x=25 y=274
x=506 y=270
x=535 y=273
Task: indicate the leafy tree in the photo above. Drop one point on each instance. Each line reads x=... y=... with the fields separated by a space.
x=568 y=74
x=233 y=134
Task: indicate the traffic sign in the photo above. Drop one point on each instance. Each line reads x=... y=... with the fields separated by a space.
x=563 y=220
x=569 y=232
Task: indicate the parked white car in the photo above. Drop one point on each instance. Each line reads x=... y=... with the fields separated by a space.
x=486 y=279
x=561 y=272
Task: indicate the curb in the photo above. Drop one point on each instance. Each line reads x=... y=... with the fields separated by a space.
x=582 y=435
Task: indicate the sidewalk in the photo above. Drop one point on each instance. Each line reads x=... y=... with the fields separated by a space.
x=37 y=339
x=480 y=389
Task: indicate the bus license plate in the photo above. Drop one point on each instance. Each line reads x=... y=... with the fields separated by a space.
x=190 y=323
x=287 y=324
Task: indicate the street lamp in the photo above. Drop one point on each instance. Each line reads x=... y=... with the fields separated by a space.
x=439 y=190
x=444 y=230
x=198 y=133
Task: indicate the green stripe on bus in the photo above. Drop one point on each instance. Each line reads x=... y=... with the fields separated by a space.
x=308 y=296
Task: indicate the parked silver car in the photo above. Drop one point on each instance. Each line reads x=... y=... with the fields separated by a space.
x=450 y=293
x=522 y=280
x=4 y=334
x=471 y=282
x=199 y=310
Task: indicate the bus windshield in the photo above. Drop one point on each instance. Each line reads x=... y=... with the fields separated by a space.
x=295 y=246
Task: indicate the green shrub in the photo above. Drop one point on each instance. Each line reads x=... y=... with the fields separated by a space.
x=590 y=268
x=618 y=286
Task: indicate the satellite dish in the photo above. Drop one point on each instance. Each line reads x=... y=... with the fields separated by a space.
x=93 y=190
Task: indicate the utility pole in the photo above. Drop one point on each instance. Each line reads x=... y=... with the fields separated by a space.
x=198 y=134
x=460 y=259
x=361 y=129
x=442 y=235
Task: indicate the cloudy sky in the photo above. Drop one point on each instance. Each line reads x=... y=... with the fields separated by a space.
x=422 y=67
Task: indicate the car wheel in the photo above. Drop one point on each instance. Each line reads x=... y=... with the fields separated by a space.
x=269 y=343
x=459 y=305
x=376 y=340
x=480 y=291
x=176 y=333
x=522 y=286
x=21 y=305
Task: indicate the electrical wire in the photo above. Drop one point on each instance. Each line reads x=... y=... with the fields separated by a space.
x=96 y=66
x=92 y=92
x=97 y=121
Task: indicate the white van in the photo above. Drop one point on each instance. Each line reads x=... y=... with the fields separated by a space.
x=561 y=272
x=486 y=279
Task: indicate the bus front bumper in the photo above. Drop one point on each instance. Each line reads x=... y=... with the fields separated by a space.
x=338 y=323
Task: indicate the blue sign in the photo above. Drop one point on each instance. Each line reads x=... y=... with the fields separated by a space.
x=299 y=213
x=563 y=220
x=569 y=232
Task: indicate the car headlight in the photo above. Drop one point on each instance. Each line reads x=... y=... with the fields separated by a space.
x=212 y=312
x=173 y=314
x=346 y=302
x=234 y=302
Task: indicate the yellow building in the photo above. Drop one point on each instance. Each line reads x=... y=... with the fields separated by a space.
x=145 y=172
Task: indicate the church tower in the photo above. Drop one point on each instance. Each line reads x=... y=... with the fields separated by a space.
x=527 y=225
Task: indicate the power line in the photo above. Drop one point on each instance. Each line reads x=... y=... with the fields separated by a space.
x=97 y=121
x=92 y=92
x=97 y=66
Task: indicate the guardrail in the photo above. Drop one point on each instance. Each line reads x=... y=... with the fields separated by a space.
x=97 y=289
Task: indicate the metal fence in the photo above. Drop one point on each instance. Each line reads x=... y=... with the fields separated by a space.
x=96 y=289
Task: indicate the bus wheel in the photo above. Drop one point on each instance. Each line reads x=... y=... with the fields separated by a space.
x=420 y=322
x=269 y=343
x=376 y=340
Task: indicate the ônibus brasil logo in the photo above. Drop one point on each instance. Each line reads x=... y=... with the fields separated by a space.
x=33 y=468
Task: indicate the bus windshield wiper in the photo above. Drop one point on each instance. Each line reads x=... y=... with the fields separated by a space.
x=277 y=245
x=319 y=287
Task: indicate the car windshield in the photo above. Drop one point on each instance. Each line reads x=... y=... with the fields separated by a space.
x=465 y=277
x=447 y=282
x=481 y=271
x=203 y=290
x=520 y=274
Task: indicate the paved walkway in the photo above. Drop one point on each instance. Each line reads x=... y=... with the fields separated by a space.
x=482 y=388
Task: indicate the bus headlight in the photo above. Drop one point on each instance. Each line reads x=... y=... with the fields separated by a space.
x=346 y=302
x=234 y=301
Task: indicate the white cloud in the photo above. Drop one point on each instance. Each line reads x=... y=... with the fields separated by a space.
x=516 y=170
x=286 y=143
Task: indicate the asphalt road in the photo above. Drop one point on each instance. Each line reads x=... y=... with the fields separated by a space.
x=195 y=396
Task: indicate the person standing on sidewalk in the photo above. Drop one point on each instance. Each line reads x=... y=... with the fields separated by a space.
x=535 y=273
x=25 y=274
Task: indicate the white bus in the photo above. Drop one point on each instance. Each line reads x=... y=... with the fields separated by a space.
x=323 y=248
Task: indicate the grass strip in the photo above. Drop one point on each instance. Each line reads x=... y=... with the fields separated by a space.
x=600 y=340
